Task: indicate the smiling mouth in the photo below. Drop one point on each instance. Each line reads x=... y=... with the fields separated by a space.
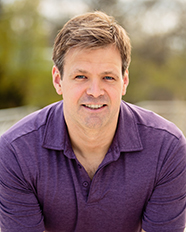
x=94 y=107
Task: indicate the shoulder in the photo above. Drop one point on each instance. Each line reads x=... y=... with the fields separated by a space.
x=151 y=121
x=31 y=123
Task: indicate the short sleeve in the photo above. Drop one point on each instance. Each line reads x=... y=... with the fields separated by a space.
x=20 y=210
x=166 y=208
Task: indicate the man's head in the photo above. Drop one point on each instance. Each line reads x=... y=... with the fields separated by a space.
x=91 y=31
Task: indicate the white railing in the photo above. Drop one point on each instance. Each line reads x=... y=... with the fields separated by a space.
x=8 y=117
x=174 y=111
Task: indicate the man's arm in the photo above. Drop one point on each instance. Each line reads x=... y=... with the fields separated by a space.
x=166 y=208
x=20 y=210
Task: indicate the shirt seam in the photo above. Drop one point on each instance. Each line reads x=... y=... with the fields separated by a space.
x=161 y=129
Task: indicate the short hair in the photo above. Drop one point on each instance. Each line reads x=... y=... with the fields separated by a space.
x=91 y=30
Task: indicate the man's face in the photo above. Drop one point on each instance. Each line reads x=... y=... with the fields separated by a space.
x=92 y=86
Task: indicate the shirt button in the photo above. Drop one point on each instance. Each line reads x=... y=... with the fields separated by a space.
x=79 y=166
x=85 y=184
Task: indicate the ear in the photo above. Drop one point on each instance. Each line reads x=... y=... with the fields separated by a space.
x=125 y=81
x=57 y=80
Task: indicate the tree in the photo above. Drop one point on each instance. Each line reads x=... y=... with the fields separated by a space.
x=157 y=70
x=24 y=64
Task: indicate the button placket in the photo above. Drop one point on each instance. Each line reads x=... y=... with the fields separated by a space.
x=84 y=180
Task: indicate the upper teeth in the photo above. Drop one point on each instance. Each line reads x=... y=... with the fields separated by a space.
x=94 y=106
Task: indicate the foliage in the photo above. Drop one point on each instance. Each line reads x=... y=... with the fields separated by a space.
x=151 y=81
x=157 y=70
x=24 y=65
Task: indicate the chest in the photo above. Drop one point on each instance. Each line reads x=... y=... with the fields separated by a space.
x=115 y=197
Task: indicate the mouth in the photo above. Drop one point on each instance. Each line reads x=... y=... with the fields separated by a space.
x=94 y=107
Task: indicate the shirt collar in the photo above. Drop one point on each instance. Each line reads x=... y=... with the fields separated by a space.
x=127 y=133
x=55 y=134
x=126 y=139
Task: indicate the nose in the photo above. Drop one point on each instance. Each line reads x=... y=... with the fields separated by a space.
x=95 y=88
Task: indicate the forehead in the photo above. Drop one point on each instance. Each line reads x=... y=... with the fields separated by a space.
x=97 y=57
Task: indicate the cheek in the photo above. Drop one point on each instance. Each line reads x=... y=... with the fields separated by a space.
x=72 y=93
x=116 y=93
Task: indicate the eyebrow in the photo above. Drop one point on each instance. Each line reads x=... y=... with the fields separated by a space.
x=78 y=71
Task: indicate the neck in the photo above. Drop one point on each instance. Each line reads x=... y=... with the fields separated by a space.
x=90 y=146
x=91 y=141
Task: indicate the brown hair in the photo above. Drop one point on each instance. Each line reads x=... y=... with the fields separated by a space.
x=91 y=30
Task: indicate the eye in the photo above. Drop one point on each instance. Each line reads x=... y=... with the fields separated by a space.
x=80 y=77
x=108 y=78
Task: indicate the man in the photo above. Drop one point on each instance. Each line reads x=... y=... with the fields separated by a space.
x=92 y=162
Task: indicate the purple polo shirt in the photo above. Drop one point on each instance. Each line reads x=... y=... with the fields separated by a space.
x=141 y=182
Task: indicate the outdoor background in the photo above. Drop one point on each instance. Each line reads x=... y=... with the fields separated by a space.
x=157 y=29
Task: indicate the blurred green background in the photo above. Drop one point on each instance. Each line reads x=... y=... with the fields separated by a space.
x=28 y=27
